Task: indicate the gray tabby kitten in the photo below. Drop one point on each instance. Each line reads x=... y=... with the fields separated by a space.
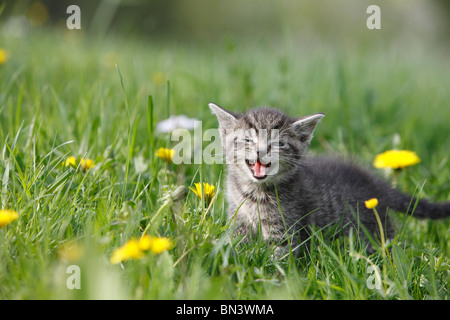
x=265 y=155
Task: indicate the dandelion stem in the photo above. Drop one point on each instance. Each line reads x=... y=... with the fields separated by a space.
x=380 y=226
x=384 y=250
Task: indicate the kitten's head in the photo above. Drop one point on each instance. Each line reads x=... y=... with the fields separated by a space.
x=264 y=145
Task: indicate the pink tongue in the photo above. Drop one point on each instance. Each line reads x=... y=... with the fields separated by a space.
x=260 y=169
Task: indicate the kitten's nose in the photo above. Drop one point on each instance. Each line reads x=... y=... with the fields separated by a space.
x=261 y=154
x=262 y=151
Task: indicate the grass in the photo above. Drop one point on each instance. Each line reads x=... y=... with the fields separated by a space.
x=63 y=96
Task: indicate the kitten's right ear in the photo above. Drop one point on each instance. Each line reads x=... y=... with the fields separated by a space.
x=305 y=126
x=225 y=117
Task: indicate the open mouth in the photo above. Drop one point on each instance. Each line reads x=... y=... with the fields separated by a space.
x=258 y=169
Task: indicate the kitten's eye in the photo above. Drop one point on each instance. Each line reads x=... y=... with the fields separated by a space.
x=248 y=140
x=278 y=144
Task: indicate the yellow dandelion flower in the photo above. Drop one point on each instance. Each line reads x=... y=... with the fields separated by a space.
x=371 y=203
x=145 y=243
x=155 y=244
x=396 y=159
x=165 y=154
x=130 y=250
x=208 y=190
x=160 y=244
x=7 y=216
x=71 y=161
x=134 y=249
x=87 y=164
x=4 y=56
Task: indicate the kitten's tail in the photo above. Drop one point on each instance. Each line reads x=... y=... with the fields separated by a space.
x=421 y=208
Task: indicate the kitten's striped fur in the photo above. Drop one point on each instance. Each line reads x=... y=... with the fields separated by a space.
x=312 y=191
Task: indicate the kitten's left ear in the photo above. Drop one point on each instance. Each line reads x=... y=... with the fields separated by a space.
x=305 y=126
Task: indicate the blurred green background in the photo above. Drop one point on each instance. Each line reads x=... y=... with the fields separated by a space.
x=212 y=21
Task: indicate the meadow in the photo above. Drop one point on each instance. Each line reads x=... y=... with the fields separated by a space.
x=65 y=95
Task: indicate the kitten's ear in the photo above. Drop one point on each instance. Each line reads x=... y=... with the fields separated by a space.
x=226 y=118
x=305 y=126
